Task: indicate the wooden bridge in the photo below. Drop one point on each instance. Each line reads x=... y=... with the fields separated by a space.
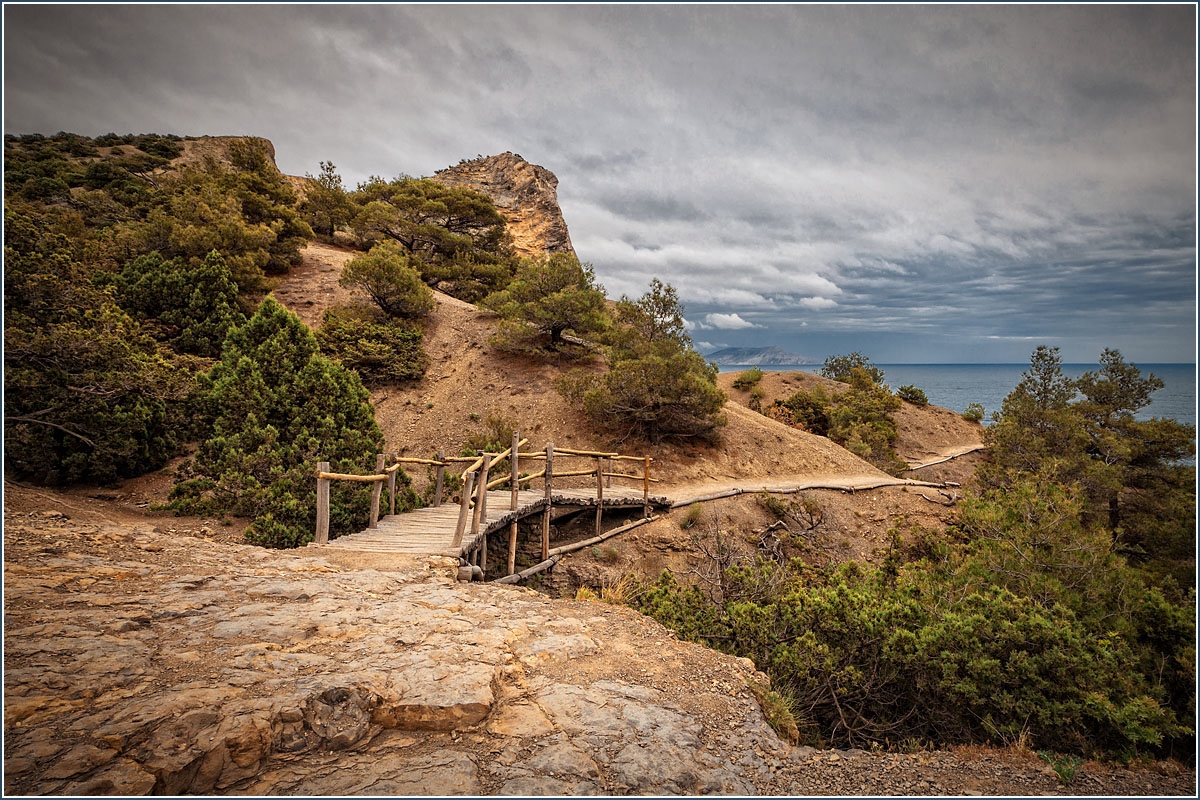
x=460 y=530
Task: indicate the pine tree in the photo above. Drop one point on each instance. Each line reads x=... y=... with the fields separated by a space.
x=277 y=407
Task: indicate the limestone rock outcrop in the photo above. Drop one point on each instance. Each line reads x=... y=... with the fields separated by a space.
x=140 y=662
x=525 y=194
x=137 y=662
x=199 y=149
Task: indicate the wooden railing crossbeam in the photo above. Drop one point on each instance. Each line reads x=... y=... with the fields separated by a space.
x=464 y=531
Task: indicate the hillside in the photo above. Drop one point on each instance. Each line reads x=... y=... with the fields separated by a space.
x=468 y=381
x=150 y=653
x=738 y=356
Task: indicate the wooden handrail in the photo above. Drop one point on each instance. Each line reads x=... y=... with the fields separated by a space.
x=342 y=476
x=572 y=474
x=524 y=478
x=631 y=476
x=587 y=453
x=478 y=462
x=476 y=473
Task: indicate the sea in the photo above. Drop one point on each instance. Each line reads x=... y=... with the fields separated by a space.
x=954 y=386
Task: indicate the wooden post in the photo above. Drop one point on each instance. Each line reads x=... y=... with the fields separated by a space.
x=646 y=487
x=546 y=512
x=512 y=459
x=464 y=509
x=322 y=536
x=599 y=492
x=376 y=491
x=512 y=547
x=480 y=498
x=392 y=492
x=441 y=477
x=608 y=468
x=483 y=489
x=516 y=487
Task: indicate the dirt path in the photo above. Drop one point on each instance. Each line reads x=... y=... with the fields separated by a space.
x=312 y=286
x=946 y=455
x=685 y=495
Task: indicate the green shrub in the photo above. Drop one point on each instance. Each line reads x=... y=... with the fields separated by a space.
x=387 y=276
x=652 y=398
x=694 y=515
x=196 y=300
x=549 y=297
x=772 y=504
x=809 y=410
x=778 y=711
x=912 y=394
x=1064 y=766
x=496 y=436
x=326 y=206
x=860 y=651
x=840 y=368
x=859 y=419
x=756 y=396
x=87 y=395
x=748 y=379
x=471 y=275
x=973 y=413
x=656 y=386
x=429 y=219
x=381 y=351
x=277 y=407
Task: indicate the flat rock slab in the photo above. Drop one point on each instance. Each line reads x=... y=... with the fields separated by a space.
x=139 y=663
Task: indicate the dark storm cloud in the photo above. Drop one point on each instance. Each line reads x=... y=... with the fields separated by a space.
x=965 y=176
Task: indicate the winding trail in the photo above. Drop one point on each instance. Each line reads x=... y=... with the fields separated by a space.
x=947 y=455
x=686 y=495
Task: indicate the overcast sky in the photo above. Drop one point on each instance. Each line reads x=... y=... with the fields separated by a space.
x=924 y=184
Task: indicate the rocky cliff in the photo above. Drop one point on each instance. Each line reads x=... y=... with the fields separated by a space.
x=526 y=195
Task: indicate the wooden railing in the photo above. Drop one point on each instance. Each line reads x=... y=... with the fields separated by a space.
x=475 y=485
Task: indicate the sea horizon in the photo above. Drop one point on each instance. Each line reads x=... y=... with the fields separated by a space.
x=956 y=385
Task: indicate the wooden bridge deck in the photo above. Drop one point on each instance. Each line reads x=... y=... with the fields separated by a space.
x=430 y=531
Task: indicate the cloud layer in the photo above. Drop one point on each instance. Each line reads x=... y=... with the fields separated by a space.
x=923 y=183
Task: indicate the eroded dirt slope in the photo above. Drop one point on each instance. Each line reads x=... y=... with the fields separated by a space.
x=468 y=380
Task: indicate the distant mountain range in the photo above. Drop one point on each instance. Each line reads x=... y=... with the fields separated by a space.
x=737 y=356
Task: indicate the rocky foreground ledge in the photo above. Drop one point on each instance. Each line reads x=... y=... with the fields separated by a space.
x=137 y=662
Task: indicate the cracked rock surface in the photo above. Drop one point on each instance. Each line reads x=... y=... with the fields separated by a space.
x=137 y=662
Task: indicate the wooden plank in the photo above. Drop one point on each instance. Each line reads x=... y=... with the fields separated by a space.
x=536 y=568
x=646 y=488
x=481 y=494
x=571 y=548
x=391 y=494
